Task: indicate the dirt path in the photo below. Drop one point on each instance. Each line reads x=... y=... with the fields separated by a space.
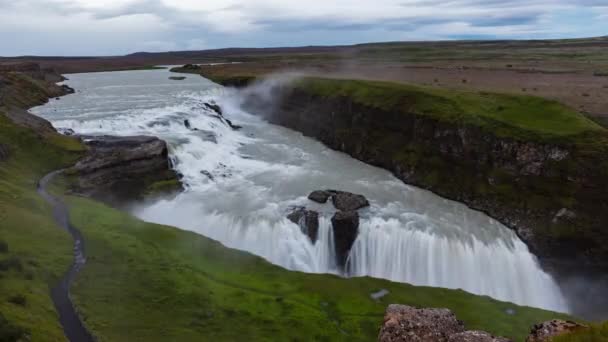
x=73 y=327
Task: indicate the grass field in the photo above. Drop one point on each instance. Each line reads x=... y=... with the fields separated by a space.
x=36 y=251
x=540 y=117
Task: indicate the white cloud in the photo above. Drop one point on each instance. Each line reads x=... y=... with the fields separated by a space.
x=92 y=26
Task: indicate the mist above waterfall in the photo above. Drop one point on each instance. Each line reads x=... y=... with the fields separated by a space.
x=241 y=184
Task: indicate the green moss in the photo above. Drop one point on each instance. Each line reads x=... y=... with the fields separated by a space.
x=513 y=115
x=163 y=187
x=597 y=333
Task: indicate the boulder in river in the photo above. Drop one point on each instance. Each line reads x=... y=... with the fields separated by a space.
x=308 y=220
x=177 y=78
x=342 y=200
x=347 y=201
x=119 y=169
x=214 y=107
x=345 y=226
x=546 y=331
x=319 y=196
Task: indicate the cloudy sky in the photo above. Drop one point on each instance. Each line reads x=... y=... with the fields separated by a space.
x=114 y=27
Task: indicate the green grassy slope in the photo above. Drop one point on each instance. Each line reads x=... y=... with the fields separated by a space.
x=522 y=116
x=37 y=251
x=155 y=283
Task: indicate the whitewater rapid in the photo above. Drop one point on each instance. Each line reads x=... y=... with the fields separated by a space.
x=241 y=184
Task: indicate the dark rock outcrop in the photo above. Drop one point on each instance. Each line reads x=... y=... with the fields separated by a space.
x=404 y=323
x=214 y=107
x=342 y=200
x=346 y=201
x=177 y=78
x=546 y=331
x=119 y=169
x=319 y=196
x=345 y=222
x=308 y=220
x=345 y=226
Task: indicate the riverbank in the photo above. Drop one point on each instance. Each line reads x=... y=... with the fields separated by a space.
x=145 y=281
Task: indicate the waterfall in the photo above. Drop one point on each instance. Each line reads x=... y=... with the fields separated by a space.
x=240 y=185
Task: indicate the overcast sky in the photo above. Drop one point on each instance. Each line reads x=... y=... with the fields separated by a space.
x=115 y=27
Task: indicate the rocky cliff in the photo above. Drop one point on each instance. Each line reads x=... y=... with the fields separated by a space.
x=113 y=169
x=550 y=188
x=121 y=169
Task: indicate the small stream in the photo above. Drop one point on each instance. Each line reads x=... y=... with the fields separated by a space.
x=241 y=184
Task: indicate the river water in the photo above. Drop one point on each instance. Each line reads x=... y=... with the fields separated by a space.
x=241 y=184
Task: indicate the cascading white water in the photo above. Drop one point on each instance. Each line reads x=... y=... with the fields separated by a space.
x=241 y=184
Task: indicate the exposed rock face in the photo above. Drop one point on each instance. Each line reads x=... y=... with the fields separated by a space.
x=545 y=331
x=319 y=196
x=532 y=187
x=342 y=200
x=24 y=85
x=119 y=169
x=345 y=222
x=347 y=201
x=308 y=220
x=346 y=228
x=214 y=107
x=403 y=323
x=407 y=324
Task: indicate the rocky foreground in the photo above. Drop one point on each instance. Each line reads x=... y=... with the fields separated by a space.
x=113 y=169
x=404 y=323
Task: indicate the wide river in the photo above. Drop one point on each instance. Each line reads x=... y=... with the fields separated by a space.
x=241 y=184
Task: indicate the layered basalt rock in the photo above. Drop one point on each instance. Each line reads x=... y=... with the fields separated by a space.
x=345 y=222
x=120 y=169
x=308 y=220
x=345 y=226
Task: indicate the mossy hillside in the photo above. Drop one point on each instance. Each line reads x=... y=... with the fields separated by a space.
x=155 y=283
x=36 y=252
x=22 y=91
x=521 y=116
x=597 y=333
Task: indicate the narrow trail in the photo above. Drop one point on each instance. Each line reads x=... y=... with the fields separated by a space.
x=73 y=327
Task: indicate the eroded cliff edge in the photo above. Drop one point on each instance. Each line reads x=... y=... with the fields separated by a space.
x=532 y=164
x=116 y=170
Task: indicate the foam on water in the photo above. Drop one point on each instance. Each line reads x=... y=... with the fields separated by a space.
x=241 y=184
